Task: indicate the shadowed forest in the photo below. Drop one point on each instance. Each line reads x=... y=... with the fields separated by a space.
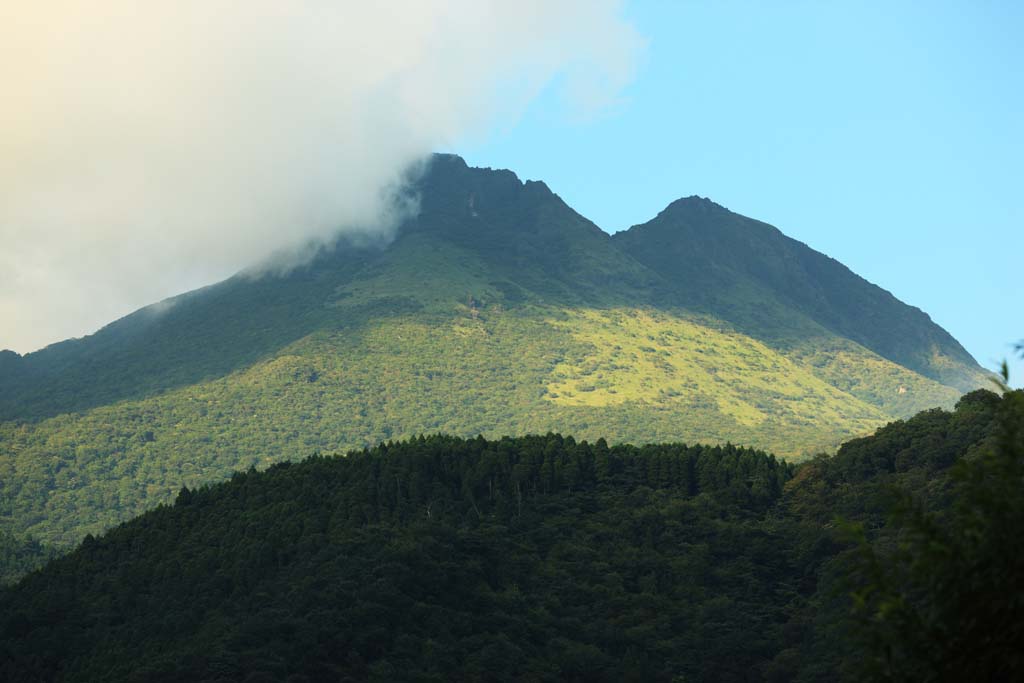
x=544 y=558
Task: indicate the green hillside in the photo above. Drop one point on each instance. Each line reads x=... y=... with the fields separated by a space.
x=536 y=558
x=497 y=310
x=750 y=274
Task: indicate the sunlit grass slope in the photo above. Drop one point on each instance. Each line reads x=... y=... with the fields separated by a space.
x=664 y=360
x=629 y=375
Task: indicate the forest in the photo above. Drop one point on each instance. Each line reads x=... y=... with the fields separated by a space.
x=545 y=558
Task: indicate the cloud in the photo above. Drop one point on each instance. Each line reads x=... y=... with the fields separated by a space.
x=149 y=148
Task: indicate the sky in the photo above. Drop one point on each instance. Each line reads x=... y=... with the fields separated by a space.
x=146 y=153
x=888 y=135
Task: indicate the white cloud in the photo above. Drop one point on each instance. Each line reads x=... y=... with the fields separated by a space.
x=151 y=147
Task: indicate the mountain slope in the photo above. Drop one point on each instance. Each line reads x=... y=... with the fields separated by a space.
x=527 y=234
x=717 y=257
x=496 y=310
x=529 y=242
x=199 y=335
x=501 y=372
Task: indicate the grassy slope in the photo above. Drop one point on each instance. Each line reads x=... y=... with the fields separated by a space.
x=445 y=364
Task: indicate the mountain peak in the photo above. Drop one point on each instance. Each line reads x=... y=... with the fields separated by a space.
x=693 y=204
x=694 y=200
x=521 y=228
x=452 y=167
x=446 y=158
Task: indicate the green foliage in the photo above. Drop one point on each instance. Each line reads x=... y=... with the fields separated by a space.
x=941 y=598
x=20 y=555
x=430 y=559
x=537 y=558
x=856 y=485
x=854 y=370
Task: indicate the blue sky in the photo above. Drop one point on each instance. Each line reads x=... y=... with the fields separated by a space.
x=889 y=136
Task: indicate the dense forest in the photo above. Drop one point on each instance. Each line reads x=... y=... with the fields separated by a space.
x=543 y=558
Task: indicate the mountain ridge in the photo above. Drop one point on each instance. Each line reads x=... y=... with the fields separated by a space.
x=507 y=183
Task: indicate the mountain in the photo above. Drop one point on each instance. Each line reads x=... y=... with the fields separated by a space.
x=752 y=275
x=496 y=310
x=535 y=558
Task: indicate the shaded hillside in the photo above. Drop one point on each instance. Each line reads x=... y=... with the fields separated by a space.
x=448 y=559
x=496 y=373
x=20 y=555
x=528 y=237
x=178 y=342
x=734 y=266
